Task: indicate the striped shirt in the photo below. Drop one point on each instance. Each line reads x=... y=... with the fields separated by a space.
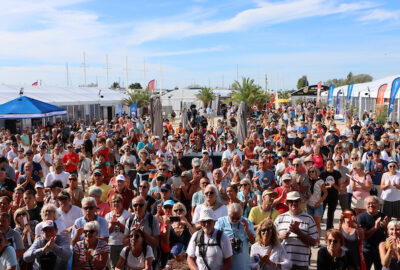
x=79 y=249
x=299 y=253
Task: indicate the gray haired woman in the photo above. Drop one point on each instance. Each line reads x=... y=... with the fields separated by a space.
x=102 y=207
x=49 y=212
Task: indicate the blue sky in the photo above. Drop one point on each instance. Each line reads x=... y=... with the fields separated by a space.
x=199 y=41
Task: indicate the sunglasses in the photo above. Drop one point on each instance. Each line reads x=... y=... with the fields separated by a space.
x=179 y=210
x=89 y=207
x=392 y=166
x=338 y=160
x=266 y=230
x=210 y=193
x=72 y=179
x=161 y=169
x=179 y=152
x=62 y=198
x=138 y=205
x=204 y=183
x=89 y=231
x=144 y=186
x=167 y=207
x=330 y=241
x=354 y=158
x=244 y=185
x=296 y=164
x=312 y=171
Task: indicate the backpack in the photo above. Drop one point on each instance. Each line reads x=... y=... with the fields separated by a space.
x=199 y=241
x=150 y=221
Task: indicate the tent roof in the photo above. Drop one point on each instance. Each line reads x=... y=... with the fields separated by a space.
x=62 y=95
x=26 y=107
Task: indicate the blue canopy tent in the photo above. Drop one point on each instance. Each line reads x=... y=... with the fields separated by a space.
x=26 y=107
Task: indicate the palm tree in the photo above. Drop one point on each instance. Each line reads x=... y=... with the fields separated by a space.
x=138 y=96
x=248 y=91
x=206 y=95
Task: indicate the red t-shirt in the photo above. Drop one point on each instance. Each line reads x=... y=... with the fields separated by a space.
x=281 y=207
x=74 y=157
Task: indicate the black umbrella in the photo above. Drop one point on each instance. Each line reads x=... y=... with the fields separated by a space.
x=242 y=123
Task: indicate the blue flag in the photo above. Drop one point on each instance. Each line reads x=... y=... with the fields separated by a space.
x=393 y=93
x=349 y=91
x=133 y=109
x=330 y=94
x=120 y=110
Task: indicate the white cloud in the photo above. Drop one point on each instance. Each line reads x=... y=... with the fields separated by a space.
x=266 y=13
x=381 y=15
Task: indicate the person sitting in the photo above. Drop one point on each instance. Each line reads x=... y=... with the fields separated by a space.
x=50 y=251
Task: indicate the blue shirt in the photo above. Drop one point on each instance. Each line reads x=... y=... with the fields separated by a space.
x=141 y=145
x=240 y=260
x=103 y=226
x=305 y=129
x=265 y=179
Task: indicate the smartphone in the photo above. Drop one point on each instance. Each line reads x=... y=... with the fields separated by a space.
x=25 y=220
x=347 y=215
x=296 y=223
x=175 y=219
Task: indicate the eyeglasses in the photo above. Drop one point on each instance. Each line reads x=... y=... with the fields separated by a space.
x=138 y=205
x=264 y=230
x=179 y=210
x=330 y=241
x=338 y=160
x=88 y=207
x=312 y=171
x=392 y=166
x=143 y=186
x=354 y=158
x=210 y=193
x=89 y=231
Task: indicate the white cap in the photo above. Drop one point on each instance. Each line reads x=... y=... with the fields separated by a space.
x=120 y=177
x=207 y=214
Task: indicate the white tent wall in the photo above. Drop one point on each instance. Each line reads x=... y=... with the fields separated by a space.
x=364 y=96
x=84 y=103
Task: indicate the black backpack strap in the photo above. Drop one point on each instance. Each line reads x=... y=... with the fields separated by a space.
x=126 y=257
x=219 y=236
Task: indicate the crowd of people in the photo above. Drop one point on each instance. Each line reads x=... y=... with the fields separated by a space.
x=113 y=195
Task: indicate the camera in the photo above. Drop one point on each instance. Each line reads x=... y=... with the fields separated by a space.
x=236 y=245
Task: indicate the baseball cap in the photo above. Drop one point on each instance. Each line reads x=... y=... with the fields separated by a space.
x=196 y=162
x=98 y=171
x=286 y=177
x=39 y=185
x=120 y=177
x=165 y=187
x=168 y=202
x=178 y=249
x=292 y=196
x=63 y=195
x=49 y=224
x=160 y=176
x=42 y=146
x=269 y=192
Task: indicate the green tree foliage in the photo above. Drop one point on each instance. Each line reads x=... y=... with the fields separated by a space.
x=359 y=78
x=115 y=85
x=206 y=95
x=248 y=91
x=284 y=94
x=138 y=96
x=302 y=82
x=135 y=85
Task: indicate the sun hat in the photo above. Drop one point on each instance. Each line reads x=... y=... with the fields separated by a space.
x=207 y=214
x=292 y=196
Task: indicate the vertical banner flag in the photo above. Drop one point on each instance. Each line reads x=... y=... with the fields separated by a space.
x=133 y=109
x=349 y=91
x=393 y=93
x=330 y=94
x=319 y=92
x=151 y=85
x=119 y=110
x=381 y=94
x=338 y=101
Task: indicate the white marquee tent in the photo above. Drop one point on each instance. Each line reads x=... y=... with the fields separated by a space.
x=80 y=102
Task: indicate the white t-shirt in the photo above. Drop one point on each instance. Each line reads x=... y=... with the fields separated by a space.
x=136 y=262
x=291 y=134
x=390 y=194
x=19 y=162
x=78 y=142
x=8 y=259
x=215 y=255
x=131 y=159
x=278 y=256
x=116 y=236
x=69 y=218
x=45 y=169
x=63 y=177
x=220 y=212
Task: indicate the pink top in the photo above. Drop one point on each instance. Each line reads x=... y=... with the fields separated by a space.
x=359 y=193
x=318 y=161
